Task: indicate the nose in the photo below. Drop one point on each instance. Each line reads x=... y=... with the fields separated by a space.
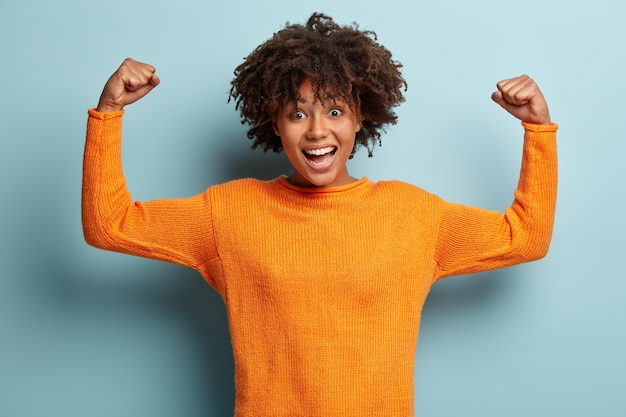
x=317 y=128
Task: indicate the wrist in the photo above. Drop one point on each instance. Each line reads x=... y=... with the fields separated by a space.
x=107 y=108
x=538 y=122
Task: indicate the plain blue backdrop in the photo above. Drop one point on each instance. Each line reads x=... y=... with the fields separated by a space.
x=89 y=333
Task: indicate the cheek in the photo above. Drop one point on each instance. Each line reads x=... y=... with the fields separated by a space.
x=290 y=146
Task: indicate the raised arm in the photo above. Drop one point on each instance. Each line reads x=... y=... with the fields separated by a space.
x=474 y=240
x=175 y=230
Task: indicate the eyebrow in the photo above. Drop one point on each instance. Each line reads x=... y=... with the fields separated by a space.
x=334 y=100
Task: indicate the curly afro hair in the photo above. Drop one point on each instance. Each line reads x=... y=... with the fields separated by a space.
x=341 y=62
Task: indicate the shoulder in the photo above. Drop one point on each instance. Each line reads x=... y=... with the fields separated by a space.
x=242 y=189
x=242 y=184
x=404 y=198
x=402 y=189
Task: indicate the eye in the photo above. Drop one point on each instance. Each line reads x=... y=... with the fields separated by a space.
x=297 y=115
x=335 y=113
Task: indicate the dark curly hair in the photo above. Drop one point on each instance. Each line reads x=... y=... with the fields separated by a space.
x=341 y=62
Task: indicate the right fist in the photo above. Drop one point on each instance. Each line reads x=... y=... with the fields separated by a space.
x=129 y=83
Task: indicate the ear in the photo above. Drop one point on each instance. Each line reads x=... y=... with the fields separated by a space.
x=275 y=126
x=359 y=123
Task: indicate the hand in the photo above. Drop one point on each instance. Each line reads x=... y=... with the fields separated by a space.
x=522 y=98
x=129 y=83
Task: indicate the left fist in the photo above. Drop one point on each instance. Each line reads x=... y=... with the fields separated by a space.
x=521 y=97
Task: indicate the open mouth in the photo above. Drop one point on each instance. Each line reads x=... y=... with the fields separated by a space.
x=320 y=157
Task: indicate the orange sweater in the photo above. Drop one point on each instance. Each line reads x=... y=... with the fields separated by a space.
x=323 y=287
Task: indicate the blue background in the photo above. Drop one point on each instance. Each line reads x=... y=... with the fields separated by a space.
x=89 y=333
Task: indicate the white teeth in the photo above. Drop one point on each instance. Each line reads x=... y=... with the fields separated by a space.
x=321 y=151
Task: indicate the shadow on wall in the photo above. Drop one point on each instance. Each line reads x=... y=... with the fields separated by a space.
x=459 y=295
x=150 y=303
x=238 y=160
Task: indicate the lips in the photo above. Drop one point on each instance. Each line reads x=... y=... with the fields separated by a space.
x=320 y=157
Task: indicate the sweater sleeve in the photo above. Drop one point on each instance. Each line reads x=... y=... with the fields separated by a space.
x=174 y=230
x=474 y=240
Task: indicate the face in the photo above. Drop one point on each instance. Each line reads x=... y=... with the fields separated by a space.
x=317 y=139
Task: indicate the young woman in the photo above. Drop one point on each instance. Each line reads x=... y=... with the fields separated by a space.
x=323 y=275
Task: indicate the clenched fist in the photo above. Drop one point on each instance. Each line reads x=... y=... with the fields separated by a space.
x=522 y=98
x=129 y=83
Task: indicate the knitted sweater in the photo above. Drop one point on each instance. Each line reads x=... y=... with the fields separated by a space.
x=323 y=287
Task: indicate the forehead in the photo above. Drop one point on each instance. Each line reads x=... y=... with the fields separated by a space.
x=311 y=92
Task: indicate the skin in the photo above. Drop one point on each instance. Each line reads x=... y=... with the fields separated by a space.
x=521 y=97
x=131 y=82
x=313 y=125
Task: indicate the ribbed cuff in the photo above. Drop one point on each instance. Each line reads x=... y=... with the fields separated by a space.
x=540 y=128
x=103 y=116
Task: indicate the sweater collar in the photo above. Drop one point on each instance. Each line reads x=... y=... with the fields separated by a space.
x=282 y=180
